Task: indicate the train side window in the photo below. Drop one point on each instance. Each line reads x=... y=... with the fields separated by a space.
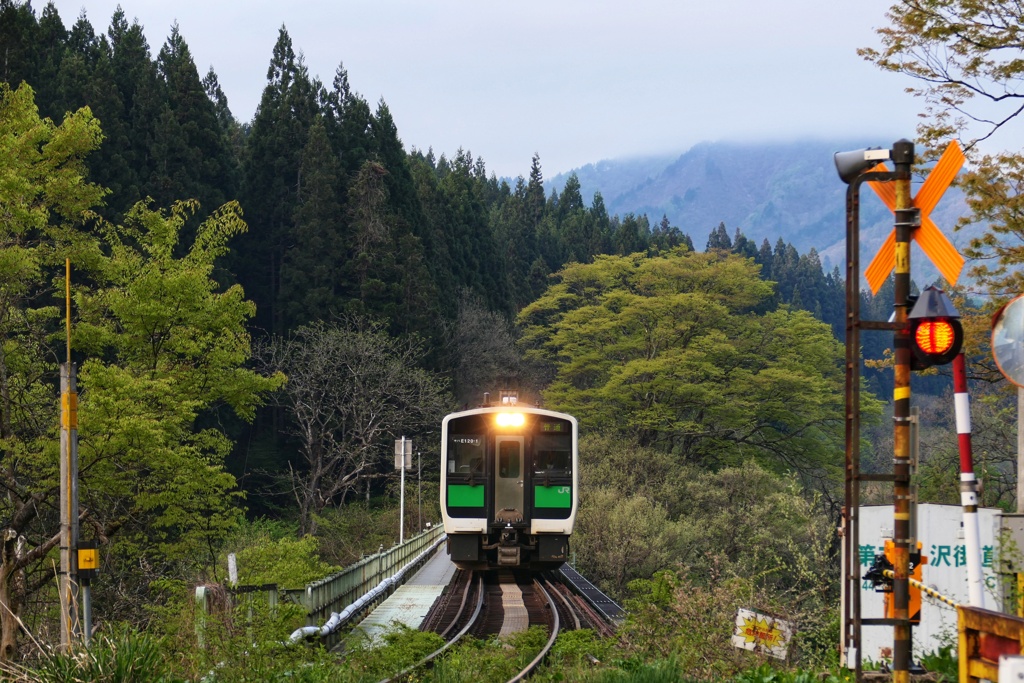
x=466 y=454
x=508 y=460
x=552 y=454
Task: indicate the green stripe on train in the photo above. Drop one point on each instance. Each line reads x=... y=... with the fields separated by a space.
x=465 y=496
x=552 y=496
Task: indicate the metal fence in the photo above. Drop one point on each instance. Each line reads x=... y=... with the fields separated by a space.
x=333 y=593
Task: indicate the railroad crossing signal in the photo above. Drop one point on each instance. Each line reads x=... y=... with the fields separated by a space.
x=931 y=240
x=936 y=334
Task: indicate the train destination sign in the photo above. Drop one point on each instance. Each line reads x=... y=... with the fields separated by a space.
x=933 y=243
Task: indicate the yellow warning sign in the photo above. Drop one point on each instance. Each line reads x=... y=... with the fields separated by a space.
x=762 y=633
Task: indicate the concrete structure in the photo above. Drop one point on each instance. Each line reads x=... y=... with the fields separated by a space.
x=410 y=603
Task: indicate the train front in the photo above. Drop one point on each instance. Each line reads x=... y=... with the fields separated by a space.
x=509 y=486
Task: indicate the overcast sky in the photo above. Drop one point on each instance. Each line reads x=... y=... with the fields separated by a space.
x=576 y=81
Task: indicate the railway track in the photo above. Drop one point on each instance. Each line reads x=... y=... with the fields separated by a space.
x=498 y=604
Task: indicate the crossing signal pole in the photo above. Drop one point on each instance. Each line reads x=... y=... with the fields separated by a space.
x=907 y=218
x=912 y=221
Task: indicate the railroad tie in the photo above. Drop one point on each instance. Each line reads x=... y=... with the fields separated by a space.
x=516 y=617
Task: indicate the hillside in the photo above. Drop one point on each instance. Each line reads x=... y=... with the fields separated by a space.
x=787 y=190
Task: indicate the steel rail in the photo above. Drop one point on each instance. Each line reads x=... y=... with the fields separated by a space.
x=437 y=653
x=462 y=607
x=565 y=601
x=529 y=669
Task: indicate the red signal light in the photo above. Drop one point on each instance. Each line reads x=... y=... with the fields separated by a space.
x=935 y=337
x=935 y=341
x=935 y=330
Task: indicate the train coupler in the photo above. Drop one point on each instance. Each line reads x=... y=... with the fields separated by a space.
x=508 y=557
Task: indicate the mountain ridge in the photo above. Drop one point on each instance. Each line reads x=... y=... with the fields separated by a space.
x=787 y=190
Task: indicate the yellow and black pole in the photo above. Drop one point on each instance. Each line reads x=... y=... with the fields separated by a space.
x=906 y=219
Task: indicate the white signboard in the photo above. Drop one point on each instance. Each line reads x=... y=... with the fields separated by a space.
x=939 y=530
x=761 y=633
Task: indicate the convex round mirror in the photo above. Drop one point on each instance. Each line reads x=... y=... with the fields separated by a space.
x=1008 y=340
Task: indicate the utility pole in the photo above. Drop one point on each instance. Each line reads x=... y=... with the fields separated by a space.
x=70 y=628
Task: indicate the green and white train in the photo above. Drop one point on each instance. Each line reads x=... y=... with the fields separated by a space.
x=509 y=485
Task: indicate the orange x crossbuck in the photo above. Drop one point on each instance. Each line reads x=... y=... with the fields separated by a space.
x=931 y=240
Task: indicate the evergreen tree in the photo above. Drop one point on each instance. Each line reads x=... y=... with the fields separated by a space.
x=764 y=257
x=516 y=243
x=631 y=235
x=719 y=239
x=311 y=277
x=195 y=159
x=742 y=246
x=143 y=98
x=280 y=131
x=51 y=38
x=18 y=43
x=602 y=237
x=666 y=236
x=86 y=78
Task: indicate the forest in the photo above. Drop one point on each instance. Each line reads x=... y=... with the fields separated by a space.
x=260 y=308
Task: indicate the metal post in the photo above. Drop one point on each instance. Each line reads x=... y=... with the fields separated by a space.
x=401 y=505
x=968 y=484
x=1020 y=487
x=907 y=218
x=851 y=626
x=1020 y=450
x=419 y=490
x=851 y=607
x=86 y=612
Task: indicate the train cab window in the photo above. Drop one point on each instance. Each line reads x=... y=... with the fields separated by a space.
x=508 y=460
x=466 y=454
x=552 y=454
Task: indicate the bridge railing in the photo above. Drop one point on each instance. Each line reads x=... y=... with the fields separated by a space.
x=331 y=594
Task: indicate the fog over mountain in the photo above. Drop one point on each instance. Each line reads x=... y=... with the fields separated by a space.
x=772 y=190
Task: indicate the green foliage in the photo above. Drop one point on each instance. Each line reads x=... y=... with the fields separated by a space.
x=944 y=662
x=640 y=513
x=122 y=656
x=668 y=348
x=962 y=59
x=165 y=344
x=575 y=648
x=619 y=538
x=662 y=671
x=349 y=532
x=490 y=660
x=254 y=652
x=766 y=673
x=690 y=615
x=398 y=648
x=287 y=562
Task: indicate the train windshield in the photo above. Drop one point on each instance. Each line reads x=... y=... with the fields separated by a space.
x=553 y=453
x=466 y=454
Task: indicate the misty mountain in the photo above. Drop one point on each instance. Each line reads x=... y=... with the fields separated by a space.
x=787 y=190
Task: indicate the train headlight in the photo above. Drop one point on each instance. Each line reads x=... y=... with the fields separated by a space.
x=510 y=419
